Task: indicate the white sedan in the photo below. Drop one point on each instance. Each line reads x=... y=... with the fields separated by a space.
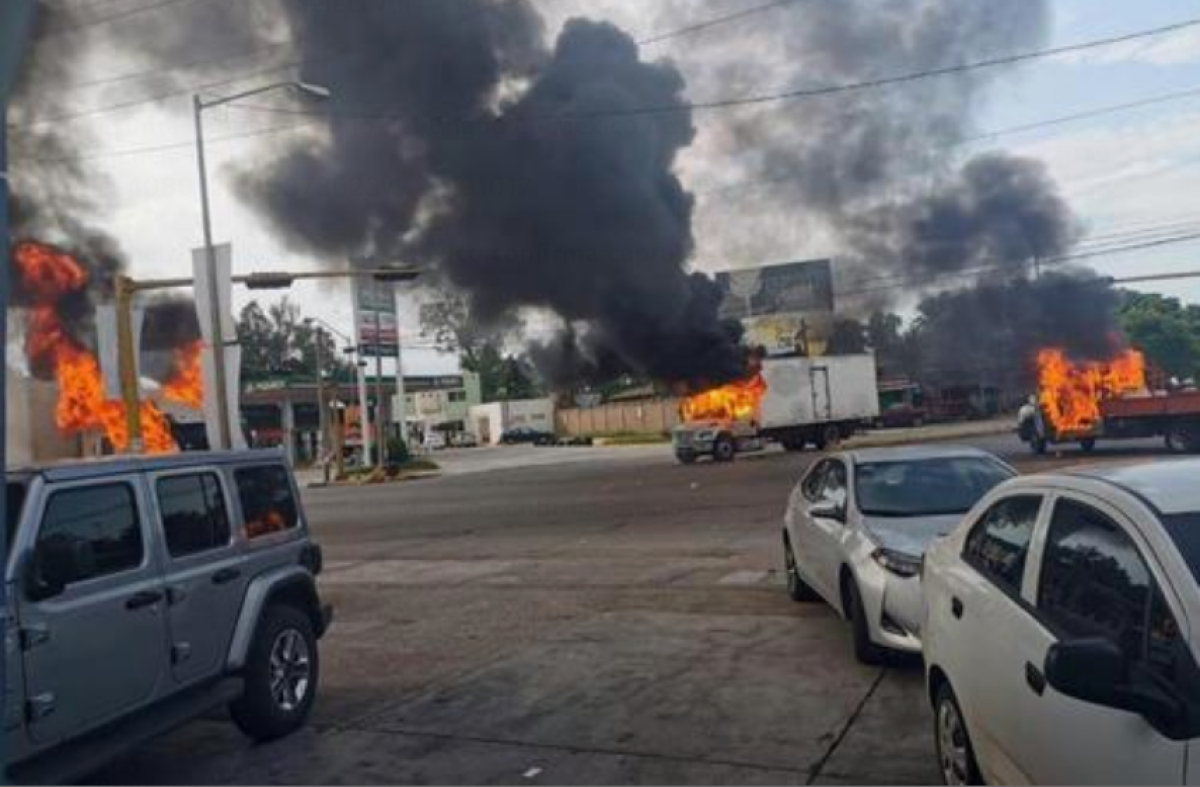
x=858 y=524
x=1058 y=630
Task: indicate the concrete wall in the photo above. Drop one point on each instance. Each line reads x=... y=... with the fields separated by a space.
x=488 y=421
x=646 y=417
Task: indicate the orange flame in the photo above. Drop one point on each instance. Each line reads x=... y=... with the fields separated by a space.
x=186 y=386
x=735 y=401
x=1070 y=393
x=48 y=275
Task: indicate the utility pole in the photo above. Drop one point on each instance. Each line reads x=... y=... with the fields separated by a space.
x=16 y=23
x=322 y=416
x=381 y=437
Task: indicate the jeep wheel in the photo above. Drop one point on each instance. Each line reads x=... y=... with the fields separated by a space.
x=282 y=670
x=724 y=450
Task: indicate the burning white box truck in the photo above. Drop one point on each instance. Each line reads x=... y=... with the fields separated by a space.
x=792 y=401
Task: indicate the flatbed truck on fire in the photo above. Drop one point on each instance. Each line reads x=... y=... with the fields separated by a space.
x=795 y=402
x=1083 y=403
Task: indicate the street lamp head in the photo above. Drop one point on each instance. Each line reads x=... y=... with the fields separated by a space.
x=317 y=92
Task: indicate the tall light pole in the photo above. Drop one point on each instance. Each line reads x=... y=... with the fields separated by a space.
x=199 y=104
x=16 y=22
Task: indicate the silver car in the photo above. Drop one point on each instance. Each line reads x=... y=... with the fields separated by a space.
x=858 y=524
x=147 y=591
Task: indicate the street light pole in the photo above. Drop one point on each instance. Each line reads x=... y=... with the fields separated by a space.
x=224 y=437
x=322 y=420
x=199 y=104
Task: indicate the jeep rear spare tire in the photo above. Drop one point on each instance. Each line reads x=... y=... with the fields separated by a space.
x=281 y=674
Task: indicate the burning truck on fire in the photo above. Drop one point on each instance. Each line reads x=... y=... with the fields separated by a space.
x=1084 y=401
x=793 y=401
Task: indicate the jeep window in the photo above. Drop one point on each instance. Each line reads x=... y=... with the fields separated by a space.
x=14 y=502
x=90 y=532
x=266 y=496
x=193 y=511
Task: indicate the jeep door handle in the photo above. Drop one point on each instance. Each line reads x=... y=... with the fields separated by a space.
x=956 y=607
x=225 y=576
x=144 y=599
x=1035 y=679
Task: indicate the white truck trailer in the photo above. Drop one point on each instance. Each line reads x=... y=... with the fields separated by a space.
x=806 y=401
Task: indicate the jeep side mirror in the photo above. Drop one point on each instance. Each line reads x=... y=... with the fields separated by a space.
x=1095 y=670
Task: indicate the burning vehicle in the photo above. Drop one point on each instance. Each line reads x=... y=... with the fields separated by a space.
x=49 y=281
x=792 y=401
x=1085 y=401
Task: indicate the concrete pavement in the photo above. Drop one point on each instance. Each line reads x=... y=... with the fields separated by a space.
x=619 y=619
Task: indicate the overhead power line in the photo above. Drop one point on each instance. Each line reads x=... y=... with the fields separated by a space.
x=717 y=22
x=726 y=103
x=1109 y=109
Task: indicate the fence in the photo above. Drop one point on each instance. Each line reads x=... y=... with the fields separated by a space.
x=655 y=416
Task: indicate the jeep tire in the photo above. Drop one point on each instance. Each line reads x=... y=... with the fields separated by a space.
x=281 y=674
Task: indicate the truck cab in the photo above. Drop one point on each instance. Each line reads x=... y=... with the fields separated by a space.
x=721 y=439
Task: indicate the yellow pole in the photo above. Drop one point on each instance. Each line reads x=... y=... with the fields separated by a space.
x=127 y=364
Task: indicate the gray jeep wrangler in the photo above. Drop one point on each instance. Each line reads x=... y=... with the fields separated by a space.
x=147 y=591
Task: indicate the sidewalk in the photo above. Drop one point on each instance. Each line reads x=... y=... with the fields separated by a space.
x=933 y=433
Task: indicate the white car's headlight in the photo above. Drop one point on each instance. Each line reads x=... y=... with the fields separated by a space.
x=898 y=563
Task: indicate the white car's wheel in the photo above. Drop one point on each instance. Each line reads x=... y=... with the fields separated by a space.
x=956 y=758
x=797 y=588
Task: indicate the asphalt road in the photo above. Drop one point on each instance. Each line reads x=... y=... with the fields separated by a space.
x=599 y=617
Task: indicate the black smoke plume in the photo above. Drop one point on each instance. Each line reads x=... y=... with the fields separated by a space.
x=515 y=201
x=991 y=332
x=57 y=200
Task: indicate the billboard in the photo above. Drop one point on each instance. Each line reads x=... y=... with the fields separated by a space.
x=785 y=308
x=375 y=320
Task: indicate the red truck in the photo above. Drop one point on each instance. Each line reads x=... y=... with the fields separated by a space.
x=1172 y=415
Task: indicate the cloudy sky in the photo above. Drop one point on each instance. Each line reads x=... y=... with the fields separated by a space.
x=1131 y=176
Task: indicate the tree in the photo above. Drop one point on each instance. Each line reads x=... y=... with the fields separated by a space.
x=1167 y=332
x=448 y=321
x=847 y=338
x=277 y=343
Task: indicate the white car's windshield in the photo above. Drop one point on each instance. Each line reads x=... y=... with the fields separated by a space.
x=925 y=487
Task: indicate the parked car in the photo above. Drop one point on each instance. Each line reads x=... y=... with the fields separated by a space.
x=858 y=524
x=464 y=440
x=525 y=434
x=1060 y=633
x=902 y=415
x=149 y=591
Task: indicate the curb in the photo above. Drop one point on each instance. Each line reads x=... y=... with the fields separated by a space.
x=884 y=440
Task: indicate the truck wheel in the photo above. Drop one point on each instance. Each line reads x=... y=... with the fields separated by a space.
x=793 y=444
x=282 y=671
x=1038 y=445
x=724 y=450
x=1088 y=444
x=830 y=436
x=686 y=459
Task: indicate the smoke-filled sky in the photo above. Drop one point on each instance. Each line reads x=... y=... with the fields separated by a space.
x=522 y=212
